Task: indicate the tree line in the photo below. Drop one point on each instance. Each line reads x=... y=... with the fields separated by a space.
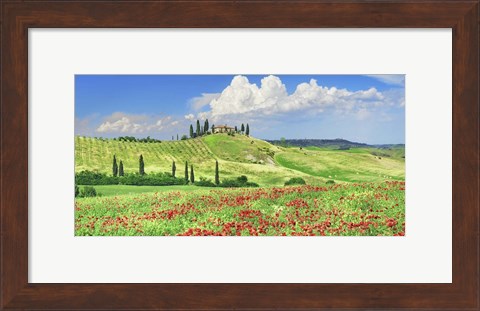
x=119 y=176
x=118 y=170
x=147 y=139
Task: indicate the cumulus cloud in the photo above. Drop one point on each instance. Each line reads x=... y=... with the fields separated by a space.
x=189 y=117
x=119 y=122
x=199 y=102
x=272 y=98
x=123 y=125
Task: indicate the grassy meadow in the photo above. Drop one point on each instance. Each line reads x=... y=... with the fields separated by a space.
x=359 y=191
x=344 y=209
x=121 y=190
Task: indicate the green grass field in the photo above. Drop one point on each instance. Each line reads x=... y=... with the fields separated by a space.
x=117 y=190
x=260 y=161
x=354 y=165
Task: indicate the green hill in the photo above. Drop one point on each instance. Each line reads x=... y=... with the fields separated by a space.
x=240 y=148
x=238 y=155
x=97 y=154
x=353 y=165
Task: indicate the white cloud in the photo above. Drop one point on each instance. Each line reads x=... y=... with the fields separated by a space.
x=119 y=122
x=123 y=125
x=189 y=117
x=398 y=80
x=199 y=102
x=271 y=98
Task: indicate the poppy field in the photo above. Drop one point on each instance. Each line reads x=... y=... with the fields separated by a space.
x=347 y=209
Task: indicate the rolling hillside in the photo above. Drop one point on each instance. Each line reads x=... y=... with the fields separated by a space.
x=354 y=165
x=238 y=155
x=97 y=154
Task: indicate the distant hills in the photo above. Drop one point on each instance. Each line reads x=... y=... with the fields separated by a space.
x=339 y=143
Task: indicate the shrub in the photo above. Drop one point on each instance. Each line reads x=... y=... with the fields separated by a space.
x=204 y=182
x=155 y=179
x=330 y=182
x=230 y=183
x=241 y=181
x=77 y=191
x=295 y=181
x=94 y=178
x=158 y=179
x=88 y=192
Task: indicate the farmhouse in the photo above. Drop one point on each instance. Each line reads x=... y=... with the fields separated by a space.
x=223 y=129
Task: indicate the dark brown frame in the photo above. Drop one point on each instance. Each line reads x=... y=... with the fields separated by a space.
x=18 y=16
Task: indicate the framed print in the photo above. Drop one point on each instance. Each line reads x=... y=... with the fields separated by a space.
x=326 y=153
x=264 y=208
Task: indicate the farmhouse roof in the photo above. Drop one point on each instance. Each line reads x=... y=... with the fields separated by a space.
x=224 y=126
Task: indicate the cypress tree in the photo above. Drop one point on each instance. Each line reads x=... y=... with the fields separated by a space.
x=120 y=169
x=114 y=166
x=205 y=126
x=191 y=131
x=213 y=128
x=141 y=166
x=177 y=136
x=236 y=130
x=242 y=128
x=201 y=130
x=247 y=131
x=186 y=171
x=192 y=175
x=198 y=128
x=217 y=177
x=174 y=168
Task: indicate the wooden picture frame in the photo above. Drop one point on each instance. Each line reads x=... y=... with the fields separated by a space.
x=19 y=16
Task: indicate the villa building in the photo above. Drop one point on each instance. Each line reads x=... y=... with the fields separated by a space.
x=223 y=129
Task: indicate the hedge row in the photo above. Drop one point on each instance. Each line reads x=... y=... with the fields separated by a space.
x=158 y=179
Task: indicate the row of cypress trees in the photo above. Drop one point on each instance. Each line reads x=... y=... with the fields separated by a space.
x=117 y=170
x=192 y=173
x=201 y=130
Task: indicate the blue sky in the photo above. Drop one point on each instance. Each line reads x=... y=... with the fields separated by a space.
x=361 y=108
